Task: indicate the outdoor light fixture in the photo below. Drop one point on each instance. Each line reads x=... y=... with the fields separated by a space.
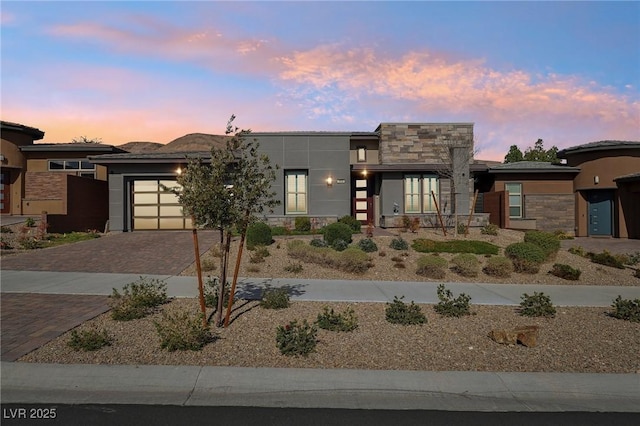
x=364 y=172
x=329 y=181
x=179 y=171
x=596 y=179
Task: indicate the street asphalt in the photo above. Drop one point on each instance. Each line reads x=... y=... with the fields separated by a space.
x=24 y=383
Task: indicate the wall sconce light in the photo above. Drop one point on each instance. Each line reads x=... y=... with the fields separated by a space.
x=364 y=173
x=329 y=181
x=596 y=180
x=179 y=171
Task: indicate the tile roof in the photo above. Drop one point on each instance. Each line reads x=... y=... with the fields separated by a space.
x=599 y=146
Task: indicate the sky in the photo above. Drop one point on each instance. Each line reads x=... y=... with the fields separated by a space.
x=565 y=72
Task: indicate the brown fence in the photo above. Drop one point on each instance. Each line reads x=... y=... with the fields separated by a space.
x=495 y=205
x=87 y=206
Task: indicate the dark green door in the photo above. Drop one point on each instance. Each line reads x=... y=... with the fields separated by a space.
x=600 y=212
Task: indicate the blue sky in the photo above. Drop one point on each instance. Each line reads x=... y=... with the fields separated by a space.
x=566 y=72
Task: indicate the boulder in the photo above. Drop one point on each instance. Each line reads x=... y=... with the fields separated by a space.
x=526 y=335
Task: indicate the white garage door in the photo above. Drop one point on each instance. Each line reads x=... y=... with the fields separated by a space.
x=156 y=208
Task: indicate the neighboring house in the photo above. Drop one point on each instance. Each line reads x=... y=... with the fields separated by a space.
x=376 y=177
x=53 y=178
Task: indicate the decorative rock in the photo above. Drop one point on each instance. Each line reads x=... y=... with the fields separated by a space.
x=526 y=335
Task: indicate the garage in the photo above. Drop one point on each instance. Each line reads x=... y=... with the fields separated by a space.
x=154 y=207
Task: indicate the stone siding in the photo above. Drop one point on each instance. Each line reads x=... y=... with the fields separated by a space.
x=289 y=222
x=552 y=211
x=430 y=220
x=45 y=185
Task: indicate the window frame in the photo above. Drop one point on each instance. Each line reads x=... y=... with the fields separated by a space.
x=361 y=149
x=424 y=200
x=296 y=192
x=69 y=166
x=520 y=196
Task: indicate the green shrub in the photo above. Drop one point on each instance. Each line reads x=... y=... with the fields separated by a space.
x=498 y=266
x=337 y=231
x=258 y=255
x=137 y=299
x=350 y=260
x=626 y=309
x=578 y=251
x=258 y=234
x=182 y=331
x=450 y=307
x=565 y=272
x=424 y=245
x=208 y=264
x=562 y=235
x=30 y=222
x=431 y=267
x=303 y=224
x=548 y=242
x=607 y=259
x=211 y=292
x=466 y=264
x=296 y=339
x=280 y=230
x=633 y=258
x=275 y=298
x=5 y=244
x=339 y=245
x=317 y=242
x=353 y=260
x=399 y=244
x=5 y=230
x=28 y=242
x=399 y=312
x=538 y=305
x=461 y=228
x=367 y=245
x=295 y=267
x=89 y=340
x=351 y=222
x=345 y=321
x=490 y=229
x=525 y=251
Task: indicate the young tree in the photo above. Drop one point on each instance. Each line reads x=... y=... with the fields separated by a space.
x=84 y=139
x=514 y=155
x=538 y=153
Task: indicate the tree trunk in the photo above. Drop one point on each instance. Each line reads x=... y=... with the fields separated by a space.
x=196 y=247
x=223 y=278
x=232 y=292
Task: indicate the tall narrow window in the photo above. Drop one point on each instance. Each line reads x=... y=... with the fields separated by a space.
x=362 y=154
x=429 y=183
x=412 y=194
x=515 y=199
x=296 y=182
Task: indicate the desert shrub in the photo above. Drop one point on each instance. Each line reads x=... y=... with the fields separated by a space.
x=29 y=242
x=182 y=331
x=337 y=231
x=258 y=255
x=399 y=244
x=537 y=305
x=30 y=222
x=258 y=234
x=353 y=260
x=89 y=340
x=637 y=273
x=382 y=253
x=399 y=312
x=303 y=224
x=548 y=242
x=633 y=258
x=565 y=272
x=294 y=267
x=578 y=251
x=461 y=228
x=424 y=245
x=212 y=291
x=296 y=339
x=431 y=267
x=5 y=244
x=562 y=235
x=275 y=298
x=350 y=260
x=449 y=306
x=525 y=266
x=607 y=259
x=367 y=245
x=253 y=268
x=399 y=265
x=498 y=266
x=490 y=229
x=208 y=264
x=525 y=251
x=339 y=245
x=280 y=230
x=137 y=299
x=466 y=264
x=626 y=309
x=317 y=242
x=345 y=321
x=353 y=223
x=405 y=222
x=397 y=259
x=5 y=230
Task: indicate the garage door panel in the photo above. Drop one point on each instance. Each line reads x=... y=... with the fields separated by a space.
x=155 y=208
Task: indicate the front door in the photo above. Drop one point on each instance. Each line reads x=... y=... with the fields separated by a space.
x=363 y=200
x=600 y=212
x=5 y=191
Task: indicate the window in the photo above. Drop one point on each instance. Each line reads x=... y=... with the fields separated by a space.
x=417 y=193
x=156 y=208
x=515 y=199
x=81 y=168
x=362 y=154
x=296 y=189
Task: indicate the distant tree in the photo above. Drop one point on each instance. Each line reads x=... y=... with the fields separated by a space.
x=84 y=139
x=514 y=155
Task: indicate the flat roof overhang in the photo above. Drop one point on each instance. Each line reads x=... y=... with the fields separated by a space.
x=412 y=167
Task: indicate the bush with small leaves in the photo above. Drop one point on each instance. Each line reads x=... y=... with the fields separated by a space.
x=211 y=292
x=30 y=222
x=425 y=245
x=339 y=245
x=565 y=272
x=637 y=273
x=182 y=331
x=294 y=267
x=208 y=264
x=607 y=259
x=399 y=312
x=626 y=309
x=466 y=264
x=578 y=251
x=449 y=306
x=399 y=244
x=367 y=245
x=461 y=228
x=345 y=321
x=490 y=229
x=337 y=231
x=137 y=299
x=498 y=266
x=296 y=338
x=258 y=234
x=258 y=255
x=538 y=305
x=317 y=242
x=303 y=224
x=5 y=244
x=431 y=267
x=89 y=340
x=548 y=242
x=351 y=222
x=6 y=230
x=275 y=298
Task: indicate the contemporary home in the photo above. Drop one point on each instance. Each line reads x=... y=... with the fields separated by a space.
x=53 y=178
x=399 y=169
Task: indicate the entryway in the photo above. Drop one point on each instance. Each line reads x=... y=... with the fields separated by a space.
x=5 y=193
x=600 y=212
x=363 y=198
